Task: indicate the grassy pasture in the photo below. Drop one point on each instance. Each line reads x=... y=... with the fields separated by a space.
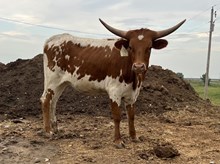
x=213 y=89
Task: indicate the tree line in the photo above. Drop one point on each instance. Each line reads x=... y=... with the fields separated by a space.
x=203 y=77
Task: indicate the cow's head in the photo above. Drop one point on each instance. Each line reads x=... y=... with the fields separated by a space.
x=138 y=44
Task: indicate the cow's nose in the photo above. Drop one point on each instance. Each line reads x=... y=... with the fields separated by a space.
x=139 y=67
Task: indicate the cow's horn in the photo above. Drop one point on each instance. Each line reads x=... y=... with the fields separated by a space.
x=115 y=31
x=160 y=34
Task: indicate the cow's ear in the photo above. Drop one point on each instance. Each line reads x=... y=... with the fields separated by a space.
x=160 y=43
x=121 y=43
x=122 y=46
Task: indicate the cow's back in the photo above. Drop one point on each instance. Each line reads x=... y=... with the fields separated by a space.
x=89 y=65
x=68 y=52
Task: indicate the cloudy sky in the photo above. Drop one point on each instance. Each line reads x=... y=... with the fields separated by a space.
x=26 y=24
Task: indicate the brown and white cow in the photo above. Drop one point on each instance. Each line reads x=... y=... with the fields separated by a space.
x=115 y=66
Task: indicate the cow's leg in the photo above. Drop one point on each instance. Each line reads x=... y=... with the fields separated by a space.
x=53 y=120
x=46 y=108
x=131 y=113
x=116 y=114
x=49 y=100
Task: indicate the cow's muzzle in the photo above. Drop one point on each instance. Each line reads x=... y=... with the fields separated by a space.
x=139 y=67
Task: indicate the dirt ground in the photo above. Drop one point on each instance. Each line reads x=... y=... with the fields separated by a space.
x=173 y=124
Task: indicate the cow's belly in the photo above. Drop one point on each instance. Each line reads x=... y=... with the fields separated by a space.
x=88 y=87
x=116 y=90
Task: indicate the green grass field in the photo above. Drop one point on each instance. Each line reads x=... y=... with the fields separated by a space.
x=213 y=90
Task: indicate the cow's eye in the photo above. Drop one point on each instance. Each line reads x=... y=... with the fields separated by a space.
x=130 y=48
x=148 y=50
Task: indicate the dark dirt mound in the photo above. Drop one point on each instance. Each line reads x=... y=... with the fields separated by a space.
x=2 y=66
x=21 y=86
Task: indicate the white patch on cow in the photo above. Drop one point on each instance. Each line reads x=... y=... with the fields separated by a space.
x=60 y=49
x=120 y=72
x=140 y=37
x=67 y=57
x=57 y=53
x=57 y=40
x=123 y=51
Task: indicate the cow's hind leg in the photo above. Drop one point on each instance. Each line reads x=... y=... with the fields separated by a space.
x=45 y=106
x=49 y=100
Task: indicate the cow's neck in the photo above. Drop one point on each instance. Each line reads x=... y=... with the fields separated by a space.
x=138 y=80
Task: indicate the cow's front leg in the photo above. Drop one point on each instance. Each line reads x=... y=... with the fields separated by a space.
x=131 y=113
x=116 y=113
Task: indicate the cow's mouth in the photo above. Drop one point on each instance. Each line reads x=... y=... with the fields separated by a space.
x=139 y=68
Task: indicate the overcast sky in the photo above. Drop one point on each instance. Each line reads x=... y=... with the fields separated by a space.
x=26 y=24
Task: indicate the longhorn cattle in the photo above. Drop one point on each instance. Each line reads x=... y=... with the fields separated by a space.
x=113 y=66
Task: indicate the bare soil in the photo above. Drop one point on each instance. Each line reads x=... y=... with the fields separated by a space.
x=174 y=125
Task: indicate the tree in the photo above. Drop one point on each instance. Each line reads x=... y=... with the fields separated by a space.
x=180 y=75
x=203 y=79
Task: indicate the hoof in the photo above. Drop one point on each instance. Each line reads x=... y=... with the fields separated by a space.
x=41 y=133
x=49 y=135
x=135 y=140
x=54 y=135
x=119 y=144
